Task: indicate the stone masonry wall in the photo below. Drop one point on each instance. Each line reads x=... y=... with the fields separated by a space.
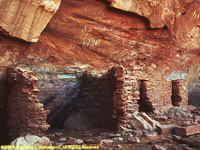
x=125 y=96
x=180 y=93
x=156 y=94
x=3 y=102
x=132 y=94
x=26 y=114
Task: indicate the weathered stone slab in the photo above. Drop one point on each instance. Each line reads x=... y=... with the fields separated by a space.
x=185 y=131
x=166 y=129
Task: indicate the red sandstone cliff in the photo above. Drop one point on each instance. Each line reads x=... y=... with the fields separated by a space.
x=156 y=41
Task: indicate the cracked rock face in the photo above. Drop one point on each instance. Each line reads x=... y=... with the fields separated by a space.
x=26 y=19
x=180 y=16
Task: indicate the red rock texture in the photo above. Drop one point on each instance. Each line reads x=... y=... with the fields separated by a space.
x=26 y=19
x=91 y=35
x=180 y=16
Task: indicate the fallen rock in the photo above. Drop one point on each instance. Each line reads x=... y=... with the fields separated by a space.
x=161 y=118
x=189 y=130
x=152 y=122
x=133 y=140
x=137 y=133
x=152 y=135
x=177 y=113
x=59 y=144
x=158 y=147
x=112 y=135
x=176 y=138
x=106 y=142
x=62 y=139
x=31 y=140
x=74 y=141
x=119 y=146
x=166 y=129
x=102 y=147
x=71 y=141
x=187 y=148
x=139 y=122
x=118 y=139
x=196 y=118
x=79 y=141
x=91 y=141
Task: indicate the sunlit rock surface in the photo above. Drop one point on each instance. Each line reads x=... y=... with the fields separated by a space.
x=94 y=37
x=180 y=16
x=26 y=19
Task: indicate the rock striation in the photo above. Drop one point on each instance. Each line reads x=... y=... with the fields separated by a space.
x=91 y=35
x=180 y=16
x=26 y=19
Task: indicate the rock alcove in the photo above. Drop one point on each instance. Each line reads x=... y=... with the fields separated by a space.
x=96 y=63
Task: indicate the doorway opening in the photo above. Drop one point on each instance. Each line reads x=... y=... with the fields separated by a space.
x=144 y=102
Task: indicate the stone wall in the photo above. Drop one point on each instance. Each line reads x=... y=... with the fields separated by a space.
x=94 y=107
x=3 y=103
x=155 y=94
x=26 y=115
x=125 y=96
x=180 y=93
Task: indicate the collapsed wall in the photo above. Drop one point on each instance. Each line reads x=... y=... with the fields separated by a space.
x=26 y=114
x=71 y=96
x=131 y=94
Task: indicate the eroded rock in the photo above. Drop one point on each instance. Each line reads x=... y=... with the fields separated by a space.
x=181 y=17
x=26 y=19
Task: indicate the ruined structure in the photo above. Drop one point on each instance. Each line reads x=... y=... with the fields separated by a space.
x=102 y=59
x=30 y=119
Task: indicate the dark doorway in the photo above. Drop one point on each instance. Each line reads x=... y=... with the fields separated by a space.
x=176 y=98
x=144 y=101
x=4 y=138
x=94 y=106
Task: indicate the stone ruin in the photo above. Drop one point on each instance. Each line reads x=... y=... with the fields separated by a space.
x=108 y=64
x=125 y=95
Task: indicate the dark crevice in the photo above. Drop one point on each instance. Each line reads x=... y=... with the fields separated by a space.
x=176 y=99
x=4 y=137
x=144 y=103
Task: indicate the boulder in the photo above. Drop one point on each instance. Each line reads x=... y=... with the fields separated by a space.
x=31 y=140
x=189 y=130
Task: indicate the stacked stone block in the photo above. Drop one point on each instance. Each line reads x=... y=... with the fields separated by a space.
x=126 y=96
x=26 y=114
x=180 y=93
